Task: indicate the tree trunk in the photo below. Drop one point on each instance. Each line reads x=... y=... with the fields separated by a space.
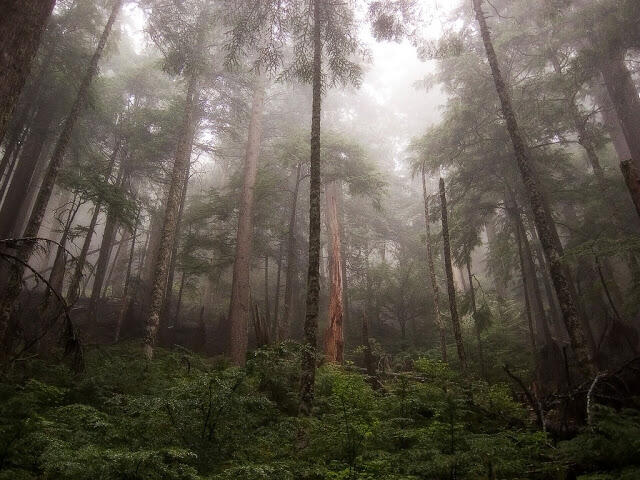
x=179 y=302
x=267 y=303
x=432 y=272
x=475 y=318
x=160 y=264
x=126 y=296
x=283 y=326
x=174 y=256
x=546 y=229
x=240 y=307
x=313 y=274
x=15 y=285
x=632 y=179
x=74 y=289
x=276 y=298
x=13 y=206
x=451 y=289
x=22 y=24
x=334 y=336
x=369 y=362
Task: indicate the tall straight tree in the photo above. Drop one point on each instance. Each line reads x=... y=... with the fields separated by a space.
x=170 y=222
x=453 y=307
x=432 y=270
x=545 y=227
x=334 y=336
x=14 y=286
x=22 y=23
x=239 y=308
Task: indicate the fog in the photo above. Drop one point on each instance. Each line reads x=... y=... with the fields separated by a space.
x=319 y=239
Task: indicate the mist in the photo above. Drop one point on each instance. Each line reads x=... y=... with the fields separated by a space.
x=319 y=239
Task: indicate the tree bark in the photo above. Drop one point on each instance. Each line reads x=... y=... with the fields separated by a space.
x=126 y=296
x=632 y=179
x=313 y=273
x=611 y=123
x=472 y=291
x=276 y=298
x=334 y=336
x=546 y=229
x=240 y=307
x=432 y=272
x=13 y=206
x=283 y=326
x=267 y=303
x=22 y=24
x=15 y=285
x=451 y=289
x=170 y=221
x=168 y=299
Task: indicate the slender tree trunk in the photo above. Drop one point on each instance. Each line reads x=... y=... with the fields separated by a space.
x=632 y=179
x=179 y=302
x=126 y=296
x=74 y=289
x=432 y=272
x=366 y=343
x=13 y=206
x=453 y=308
x=174 y=255
x=291 y=260
x=267 y=304
x=345 y=252
x=313 y=274
x=276 y=298
x=22 y=24
x=472 y=291
x=170 y=222
x=113 y=265
x=240 y=307
x=15 y=285
x=334 y=336
x=546 y=229
x=526 y=289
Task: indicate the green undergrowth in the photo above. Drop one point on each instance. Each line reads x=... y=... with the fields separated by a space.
x=183 y=417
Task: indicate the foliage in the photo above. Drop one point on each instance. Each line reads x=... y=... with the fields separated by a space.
x=185 y=417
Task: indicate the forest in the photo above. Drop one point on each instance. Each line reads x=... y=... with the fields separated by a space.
x=319 y=239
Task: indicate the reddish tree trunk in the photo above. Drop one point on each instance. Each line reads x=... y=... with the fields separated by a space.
x=334 y=337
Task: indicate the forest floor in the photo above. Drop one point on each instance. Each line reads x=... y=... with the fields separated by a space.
x=182 y=416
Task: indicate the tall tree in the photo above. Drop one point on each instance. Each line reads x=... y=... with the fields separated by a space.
x=240 y=306
x=432 y=270
x=451 y=289
x=334 y=336
x=546 y=229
